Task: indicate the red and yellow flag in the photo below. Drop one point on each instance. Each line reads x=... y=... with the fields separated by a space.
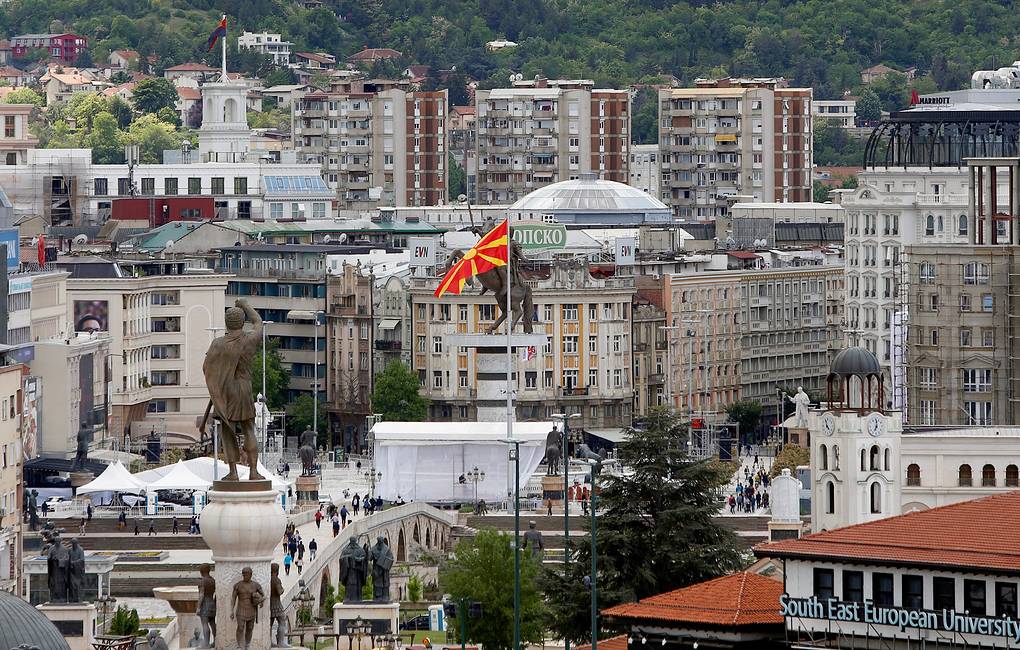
x=486 y=255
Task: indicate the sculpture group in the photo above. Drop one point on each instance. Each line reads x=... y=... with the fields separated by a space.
x=354 y=570
x=65 y=570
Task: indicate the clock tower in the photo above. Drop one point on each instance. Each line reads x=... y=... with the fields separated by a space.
x=855 y=447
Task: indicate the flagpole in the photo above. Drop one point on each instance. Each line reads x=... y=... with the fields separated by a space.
x=510 y=436
x=224 y=74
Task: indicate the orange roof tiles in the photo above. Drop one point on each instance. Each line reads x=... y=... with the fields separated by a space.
x=191 y=67
x=954 y=536
x=374 y=53
x=614 y=643
x=733 y=600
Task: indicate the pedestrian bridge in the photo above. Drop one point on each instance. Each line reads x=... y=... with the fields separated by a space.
x=411 y=530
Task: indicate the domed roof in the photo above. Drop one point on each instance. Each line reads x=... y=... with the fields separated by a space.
x=22 y=623
x=589 y=194
x=855 y=361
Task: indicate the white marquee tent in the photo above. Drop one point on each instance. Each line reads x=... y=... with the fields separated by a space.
x=115 y=478
x=179 y=478
x=424 y=460
x=203 y=468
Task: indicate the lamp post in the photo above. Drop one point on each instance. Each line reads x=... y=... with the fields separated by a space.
x=515 y=457
x=358 y=628
x=373 y=476
x=265 y=329
x=315 y=384
x=565 y=419
x=595 y=469
x=476 y=476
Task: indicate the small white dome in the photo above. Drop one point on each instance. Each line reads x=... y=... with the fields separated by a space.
x=589 y=194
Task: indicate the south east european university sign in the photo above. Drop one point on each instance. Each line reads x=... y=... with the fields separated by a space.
x=947 y=620
x=539 y=236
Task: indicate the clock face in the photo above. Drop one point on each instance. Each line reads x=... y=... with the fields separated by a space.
x=876 y=424
x=828 y=424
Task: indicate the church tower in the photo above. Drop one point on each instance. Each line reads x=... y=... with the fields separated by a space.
x=855 y=447
x=224 y=135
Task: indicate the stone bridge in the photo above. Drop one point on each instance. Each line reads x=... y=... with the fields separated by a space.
x=411 y=530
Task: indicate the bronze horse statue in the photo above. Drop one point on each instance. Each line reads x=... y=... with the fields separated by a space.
x=553 y=453
x=522 y=305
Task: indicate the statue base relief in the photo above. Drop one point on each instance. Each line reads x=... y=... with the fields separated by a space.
x=552 y=490
x=242 y=525
x=383 y=617
x=798 y=436
x=76 y=622
x=79 y=479
x=184 y=600
x=307 y=489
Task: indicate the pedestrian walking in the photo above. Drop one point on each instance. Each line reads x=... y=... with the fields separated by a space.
x=379 y=505
x=152 y=527
x=122 y=520
x=318 y=517
x=313 y=546
x=301 y=550
x=81 y=527
x=175 y=526
x=286 y=563
x=293 y=545
x=343 y=515
x=299 y=563
x=336 y=525
x=355 y=502
x=192 y=527
x=88 y=512
x=136 y=526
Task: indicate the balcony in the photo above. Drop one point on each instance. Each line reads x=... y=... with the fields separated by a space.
x=761 y=301
x=947 y=199
x=381 y=344
x=543 y=114
x=758 y=326
x=656 y=378
x=661 y=345
x=572 y=392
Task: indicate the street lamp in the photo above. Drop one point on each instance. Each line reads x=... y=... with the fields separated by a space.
x=476 y=476
x=314 y=316
x=304 y=600
x=265 y=329
x=515 y=457
x=373 y=476
x=358 y=629
x=565 y=419
x=105 y=603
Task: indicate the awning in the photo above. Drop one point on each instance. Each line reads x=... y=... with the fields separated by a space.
x=388 y=323
x=725 y=137
x=615 y=435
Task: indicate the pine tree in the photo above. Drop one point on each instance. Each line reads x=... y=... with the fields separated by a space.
x=655 y=529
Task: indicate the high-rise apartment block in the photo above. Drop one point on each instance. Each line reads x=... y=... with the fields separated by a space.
x=378 y=144
x=733 y=137
x=544 y=131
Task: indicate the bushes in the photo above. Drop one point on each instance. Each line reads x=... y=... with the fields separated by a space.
x=124 y=622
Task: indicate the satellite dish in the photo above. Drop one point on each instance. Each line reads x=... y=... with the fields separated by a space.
x=327 y=239
x=342 y=238
x=170 y=245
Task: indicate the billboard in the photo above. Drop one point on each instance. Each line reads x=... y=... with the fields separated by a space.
x=30 y=417
x=625 y=249
x=91 y=316
x=539 y=236
x=423 y=251
x=9 y=236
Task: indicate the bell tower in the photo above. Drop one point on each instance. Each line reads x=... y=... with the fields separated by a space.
x=224 y=135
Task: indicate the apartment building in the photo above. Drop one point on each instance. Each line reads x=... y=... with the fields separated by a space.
x=544 y=131
x=377 y=143
x=350 y=320
x=729 y=137
x=15 y=138
x=644 y=168
x=272 y=45
x=839 y=112
x=585 y=366
x=12 y=484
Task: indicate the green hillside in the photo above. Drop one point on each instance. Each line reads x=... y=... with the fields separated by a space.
x=819 y=43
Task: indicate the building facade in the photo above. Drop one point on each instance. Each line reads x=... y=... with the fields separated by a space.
x=65 y=47
x=272 y=45
x=12 y=486
x=734 y=137
x=542 y=132
x=839 y=112
x=644 y=168
x=350 y=320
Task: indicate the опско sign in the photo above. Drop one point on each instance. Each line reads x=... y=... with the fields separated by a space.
x=948 y=620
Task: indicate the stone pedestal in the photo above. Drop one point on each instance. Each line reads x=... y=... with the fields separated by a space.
x=383 y=617
x=490 y=366
x=184 y=600
x=79 y=479
x=243 y=526
x=552 y=489
x=76 y=622
x=798 y=436
x=307 y=489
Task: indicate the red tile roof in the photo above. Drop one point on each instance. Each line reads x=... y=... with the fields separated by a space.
x=8 y=71
x=956 y=536
x=312 y=56
x=614 y=643
x=191 y=94
x=733 y=600
x=126 y=54
x=464 y=110
x=743 y=255
x=373 y=53
x=191 y=67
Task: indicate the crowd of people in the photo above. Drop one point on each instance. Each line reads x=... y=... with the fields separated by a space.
x=751 y=492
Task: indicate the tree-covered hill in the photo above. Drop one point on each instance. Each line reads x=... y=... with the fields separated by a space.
x=821 y=43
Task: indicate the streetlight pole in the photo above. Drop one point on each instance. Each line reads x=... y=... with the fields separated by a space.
x=594 y=560
x=315 y=383
x=265 y=327
x=566 y=486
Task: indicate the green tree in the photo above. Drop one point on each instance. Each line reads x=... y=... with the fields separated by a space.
x=645 y=117
x=280 y=77
x=169 y=115
x=790 y=458
x=820 y=191
x=150 y=95
x=299 y=418
x=105 y=140
x=456 y=179
x=84 y=107
x=121 y=110
x=396 y=397
x=153 y=137
x=747 y=414
x=276 y=377
x=25 y=96
x=664 y=505
x=869 y=106
x=483 y=572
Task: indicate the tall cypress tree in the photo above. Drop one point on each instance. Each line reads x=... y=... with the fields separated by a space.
x=655 y=529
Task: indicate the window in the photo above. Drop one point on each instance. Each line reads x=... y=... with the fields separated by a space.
x=422 y=344
x=593 y=376
x=943 y=592
x=979 y=412
x=569 y=379
x=101 y=186
x=975 y=600
x=975 y=273
x=1012 y=476
x=547 y=379
x=123 y=186
x=929 y=225
x=873 y=456
x=437 y=379
x=617 y=343
x=988 y=476
x=987 y=338
x=194 y=186
x=965 y=337
x=8 y=126
x=824 y=584
x=437 y=345
x=964 y=302
x=240 y=185
x=486 y=312
x=593 y=344
x=965 y=476
x=853 y=586
x=987 y=303
x=462 y=378
x=927 y=275
x=927 y=377
x=830 y=497
x=913 y=474
x=963 y=224
x=1005 y=599
x=593 y=312
x=170 y=186
x=876 y=498
x=823 y=456
x=569 y=345
x=881 y=589
x=976 y=380
x=276 y=211
x=318 y=210
x=217 y=185
x=530 y=379
x=913 y=592
x=570 y=312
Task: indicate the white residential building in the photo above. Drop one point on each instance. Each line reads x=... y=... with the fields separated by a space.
x=272 y=45
x=644 y=168
x=841 y=112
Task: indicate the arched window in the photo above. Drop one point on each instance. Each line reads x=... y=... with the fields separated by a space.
x=823 y=457
x=830 y=497
x=1012 y=476
x=229 y=110
x=864 y=456
x=988 y=476
x=913 y=474
x=887 y=464
x=963 y=224
x=929 y=225
x=940 y=223
x=874 y=459
x=835 y=457
x=876 y=498
x=965 y=476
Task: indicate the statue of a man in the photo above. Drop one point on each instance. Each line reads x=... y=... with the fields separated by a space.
x=533 y=540
x=58 y=564
x=156 y=642
x=76 y=572
x=33 y=512
x=276 y=611
x=207 y=605
x=353 y=570
x=382 y=562
x=82 y=450
x=245 y=603
x=306 y=449
x=227 y=370
x=801 y=401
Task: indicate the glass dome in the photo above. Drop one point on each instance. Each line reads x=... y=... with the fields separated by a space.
x=589 y=194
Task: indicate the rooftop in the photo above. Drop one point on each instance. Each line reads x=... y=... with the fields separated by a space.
x=191 y=67
x=951 y=537
x=372 y=53
x=738 y=599
x=589 y=195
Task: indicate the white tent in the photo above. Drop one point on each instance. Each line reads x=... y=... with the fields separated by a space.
x=203 y=468
x=115 y=478
x=179 y=478
x=425 y=460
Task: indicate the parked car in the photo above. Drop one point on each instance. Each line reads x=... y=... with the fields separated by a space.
x=52 y=501
x=416 y=623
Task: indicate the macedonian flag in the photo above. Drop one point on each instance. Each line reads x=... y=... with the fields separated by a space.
x=486 y=255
